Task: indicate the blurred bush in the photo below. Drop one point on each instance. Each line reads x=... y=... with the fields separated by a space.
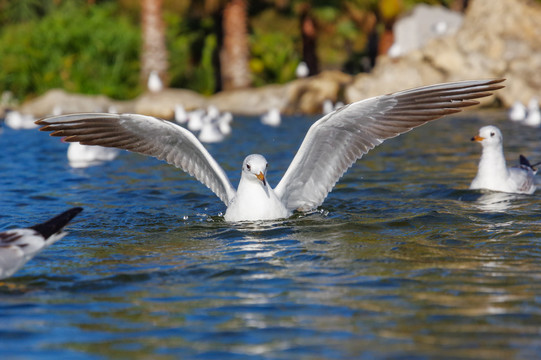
x=273 y=58
x=84 y=49
x=192 y=47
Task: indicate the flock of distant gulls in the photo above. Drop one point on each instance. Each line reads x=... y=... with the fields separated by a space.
x=332 y=144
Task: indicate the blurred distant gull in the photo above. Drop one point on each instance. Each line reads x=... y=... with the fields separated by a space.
x=214 y=125
x=493 y=173
x=224 y=122
x=84 y=155
x=329 y=107
x=19 y=121
x=181 y=116
x=18 y=246
x=330 y=147
x=272 y=117
x=517 y=111
x=195 y=119
x=154 y=83
x=210 y=131
x=302 y=70
x=534 y=115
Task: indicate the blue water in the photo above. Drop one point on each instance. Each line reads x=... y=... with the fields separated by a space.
x=401 y=261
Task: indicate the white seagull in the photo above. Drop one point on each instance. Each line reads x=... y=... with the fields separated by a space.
x=154 y=83
x=18 y=246
x=330 y=147
x=18 y=121
x=493 y=173
x=80 y=155
x=181 y=116
x=272 y=117
x=517 y=112
x=534 y=114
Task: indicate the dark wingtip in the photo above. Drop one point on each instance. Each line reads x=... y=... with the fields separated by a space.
x=57 y=223
x=524 y=161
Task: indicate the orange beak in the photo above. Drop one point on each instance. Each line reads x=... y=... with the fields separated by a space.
x=477 y=138
x=261 y=177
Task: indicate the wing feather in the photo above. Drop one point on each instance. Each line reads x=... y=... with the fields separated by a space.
x=336 y=141
x=145 y=135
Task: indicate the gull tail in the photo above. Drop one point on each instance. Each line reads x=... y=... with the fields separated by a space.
x=524 y=162
x=56 y=224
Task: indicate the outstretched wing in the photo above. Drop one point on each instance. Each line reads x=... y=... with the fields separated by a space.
x=337 y=140
x=145 y=135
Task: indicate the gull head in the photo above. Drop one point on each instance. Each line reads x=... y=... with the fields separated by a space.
x=489 y=136
x=254 y=168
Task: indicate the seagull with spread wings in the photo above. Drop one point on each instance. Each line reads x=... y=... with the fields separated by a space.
x=330 y=147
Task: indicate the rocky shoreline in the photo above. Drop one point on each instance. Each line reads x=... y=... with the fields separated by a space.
x=497 y=39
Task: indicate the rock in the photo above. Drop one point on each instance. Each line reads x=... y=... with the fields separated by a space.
x=162 y=104
x=391 y=76
x=415 y=29
x=251 y=101
x=65 y=102
x=307 y=95
x=498 y=38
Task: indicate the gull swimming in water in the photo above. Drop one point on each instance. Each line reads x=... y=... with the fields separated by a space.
x=80 y=155
x=517 y=112
x=18 y=121
x=272 y=117
x=533 y=118
x=18 y=246
x=330 y=147
x=493 y=173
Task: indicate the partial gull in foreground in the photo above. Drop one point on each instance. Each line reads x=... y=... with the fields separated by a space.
x=18 y=246
x=330 y=147
x=493 y=173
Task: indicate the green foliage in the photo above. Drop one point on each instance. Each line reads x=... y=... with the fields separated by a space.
x=90 y=50
x=273 y=58
x=192 y=50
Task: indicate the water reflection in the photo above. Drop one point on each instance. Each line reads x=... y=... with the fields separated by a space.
x=496 y=201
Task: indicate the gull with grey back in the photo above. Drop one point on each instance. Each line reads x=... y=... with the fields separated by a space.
x=18 y=246
x=330 y=147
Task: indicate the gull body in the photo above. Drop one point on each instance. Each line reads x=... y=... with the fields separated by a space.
x=215 y=126
x=493 y=173
x=224 y=123
x=517 y=112
x=327 y=106
x=195 y=119
x=154 y=83
x=18 y=246
x=302 y=70
x=330 y=147
x=254 y=188
x=272 y=117
x=534 y=114
x=210 y=131
x=19 y=121
x=181 y=116
x=84 y=155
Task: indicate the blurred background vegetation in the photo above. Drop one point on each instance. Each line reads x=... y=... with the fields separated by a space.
x=96 y=46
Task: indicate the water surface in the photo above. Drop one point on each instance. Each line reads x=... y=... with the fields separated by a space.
x=401 y=261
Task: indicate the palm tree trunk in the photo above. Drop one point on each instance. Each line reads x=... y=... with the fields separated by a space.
x=154 y=56
x=309 y=39
x=234 y=55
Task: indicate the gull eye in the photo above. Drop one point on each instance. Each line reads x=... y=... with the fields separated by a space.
x=248 y=167
x=492 y=134
x=267 y=166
